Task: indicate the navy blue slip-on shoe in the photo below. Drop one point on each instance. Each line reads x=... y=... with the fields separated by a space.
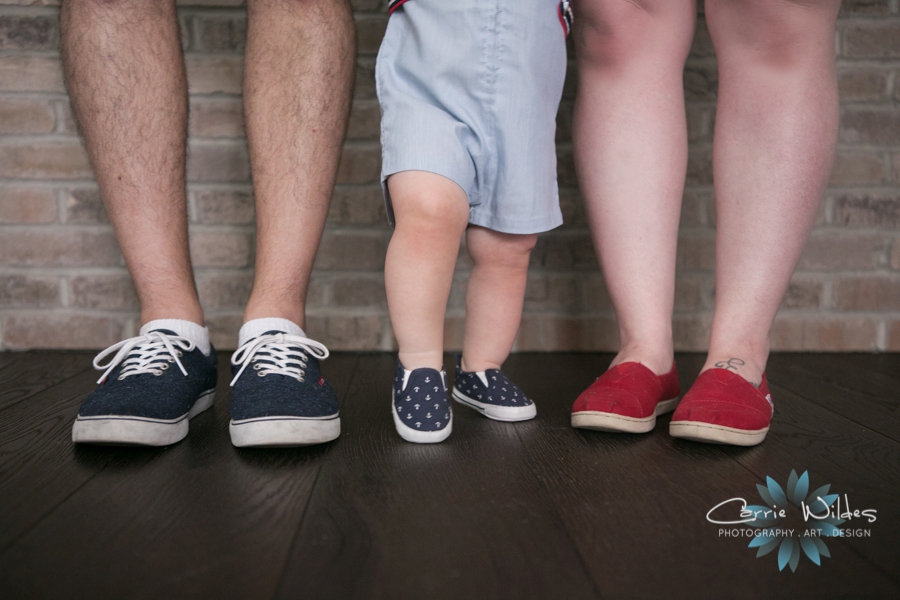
x=420 y=405
x=153 y=385
x=279 y=396
x=492 y=394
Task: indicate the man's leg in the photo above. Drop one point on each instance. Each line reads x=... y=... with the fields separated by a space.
x=297 y=83
x=125 y=75
x=776 y=129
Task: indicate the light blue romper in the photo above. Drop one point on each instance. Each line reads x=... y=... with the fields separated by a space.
x=469 y=89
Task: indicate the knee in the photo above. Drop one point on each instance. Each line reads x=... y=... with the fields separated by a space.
x=782 y=34
x=507 y=250
x=432 y=215
x=611 y=33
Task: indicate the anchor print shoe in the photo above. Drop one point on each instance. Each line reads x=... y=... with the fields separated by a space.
x=492 y=394
x=420 y=405
x=279 y=396
x=149 y=390
x=724 y=408
x=627 y=398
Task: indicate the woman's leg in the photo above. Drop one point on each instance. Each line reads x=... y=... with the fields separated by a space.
x=630 y=140
x=776 y=127
x=494 y=296
x=431 y=214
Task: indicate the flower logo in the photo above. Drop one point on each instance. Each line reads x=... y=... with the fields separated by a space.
x=818 y=518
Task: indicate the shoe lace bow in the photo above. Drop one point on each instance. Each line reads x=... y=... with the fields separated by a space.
x=277 y=354
x=151 y=353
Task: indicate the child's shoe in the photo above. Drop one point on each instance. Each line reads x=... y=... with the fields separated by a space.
x=420 y=405
x=492 y=394
x=724 y=408
x=627 y=398
x=153 y=385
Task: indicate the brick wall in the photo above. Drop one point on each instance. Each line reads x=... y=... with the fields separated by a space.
x=63 y=283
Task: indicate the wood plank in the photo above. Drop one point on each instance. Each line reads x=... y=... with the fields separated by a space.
x=24 y=374
x=636 y=504
x=462 y=519
x=843 y=385
x=197 y=519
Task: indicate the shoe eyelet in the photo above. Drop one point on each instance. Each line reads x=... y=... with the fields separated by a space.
x=121 y=377
x=164 y=366
x=157 y=373
x=262 y=373
x=257 y=367
x=178 y=353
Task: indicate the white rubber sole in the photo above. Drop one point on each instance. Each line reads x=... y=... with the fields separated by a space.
x=136 y=431
x=698 y=431
x=420 y=437
x=284 y=431
x=498 y=413
x=612 y=423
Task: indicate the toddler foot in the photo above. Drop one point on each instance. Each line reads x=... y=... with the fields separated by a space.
x=420 y=405
x=492 y=394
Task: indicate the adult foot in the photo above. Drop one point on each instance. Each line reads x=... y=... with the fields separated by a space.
x=724 y=408
x=141 y=399
x=627 y=398
x=279 y=396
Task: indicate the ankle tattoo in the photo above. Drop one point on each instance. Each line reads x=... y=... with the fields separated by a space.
x=731 y=364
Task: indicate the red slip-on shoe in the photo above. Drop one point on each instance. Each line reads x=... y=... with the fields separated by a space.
x=627 y=399
x=724 y=408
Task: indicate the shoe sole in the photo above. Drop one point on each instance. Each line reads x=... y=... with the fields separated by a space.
x=510 y=414
x=613 y=423
x=115 y=430
x=284 y=432
x=419 y=437
x=698 y=431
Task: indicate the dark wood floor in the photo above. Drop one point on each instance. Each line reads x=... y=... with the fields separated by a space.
x=528 y=510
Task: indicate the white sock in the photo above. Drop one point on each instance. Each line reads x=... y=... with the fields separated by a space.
x=186 y=329
x=257 y=327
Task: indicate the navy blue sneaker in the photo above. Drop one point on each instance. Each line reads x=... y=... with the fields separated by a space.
x=420 y=405
x=150 y=389
x=279 y=396
x=492 y=394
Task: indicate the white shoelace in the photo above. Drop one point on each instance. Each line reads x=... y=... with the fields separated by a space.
x=151 y=353
x=277 y=354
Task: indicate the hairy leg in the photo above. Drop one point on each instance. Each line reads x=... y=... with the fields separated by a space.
x=495 y=295
x=125 y=74
x=431 y=213
x=776 y=129
x=630 y=140
x=298 y=79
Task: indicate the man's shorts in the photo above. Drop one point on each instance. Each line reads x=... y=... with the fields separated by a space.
x=469 y=89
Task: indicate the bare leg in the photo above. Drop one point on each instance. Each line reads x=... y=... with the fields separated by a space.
x=297 y=83
x=630 y=139
x=125 y=75
x=495 y=295
x=776 y=129
x=431 y=214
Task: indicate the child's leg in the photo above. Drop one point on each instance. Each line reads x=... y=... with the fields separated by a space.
x=495 y=295
x=431 y=213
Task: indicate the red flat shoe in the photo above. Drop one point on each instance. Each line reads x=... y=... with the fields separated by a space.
x=724 y=408
x=627 y=398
